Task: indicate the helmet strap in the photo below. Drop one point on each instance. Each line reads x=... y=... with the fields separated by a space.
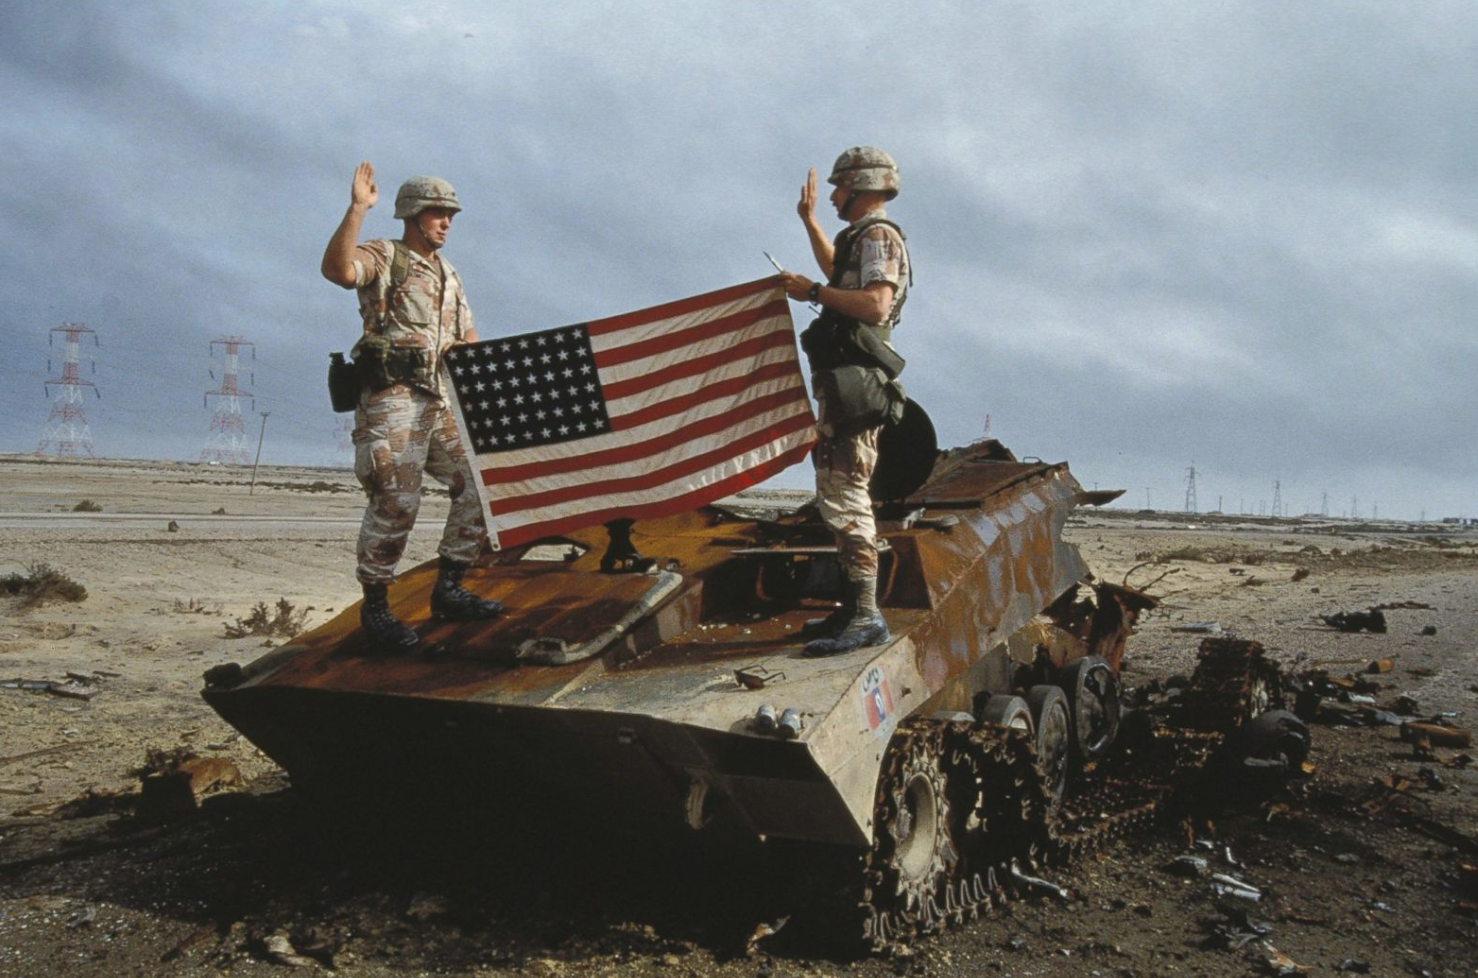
x=415 y=235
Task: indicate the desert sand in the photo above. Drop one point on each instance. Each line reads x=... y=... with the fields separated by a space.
x=175 y=553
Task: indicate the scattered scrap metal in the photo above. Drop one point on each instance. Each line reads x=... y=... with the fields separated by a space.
x=77 y=685
x=1373 y=620
x=1350 y=700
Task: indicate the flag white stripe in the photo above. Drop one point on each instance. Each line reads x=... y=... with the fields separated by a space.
x=616 y=339
x=677 y=487
x=683 y=386
x=637 y=436
x=666 y=359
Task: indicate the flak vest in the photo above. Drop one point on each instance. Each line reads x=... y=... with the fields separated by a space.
x=388 y=352
x=835 y=340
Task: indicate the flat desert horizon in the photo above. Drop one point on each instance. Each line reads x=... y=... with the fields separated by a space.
x=173 y=553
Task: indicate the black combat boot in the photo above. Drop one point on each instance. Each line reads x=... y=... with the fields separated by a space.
x=380 y=624
x=831 y=626
x=450 y=600
x=866 y=628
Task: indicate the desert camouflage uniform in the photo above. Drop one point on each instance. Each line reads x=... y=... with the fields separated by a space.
x=845 y=463
x=406 y=429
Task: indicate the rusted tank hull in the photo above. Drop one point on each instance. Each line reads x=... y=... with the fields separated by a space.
x=978 y=586
x=606 y=764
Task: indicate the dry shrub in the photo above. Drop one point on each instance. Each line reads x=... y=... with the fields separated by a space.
x=87 y=506
x=1188 y=553
x=1204 y=555
x=42 y=583
x=286 y=622
x=197 y=606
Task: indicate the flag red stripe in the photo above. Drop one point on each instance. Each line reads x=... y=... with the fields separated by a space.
x=667 y=507
x=709 y=392
x=686 y=337
x=499 y=474
x=681 y=306
x=639 y=438
x=698 y=365
x=647 y=480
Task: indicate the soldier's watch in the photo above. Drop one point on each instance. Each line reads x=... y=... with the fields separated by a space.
x=814 y=293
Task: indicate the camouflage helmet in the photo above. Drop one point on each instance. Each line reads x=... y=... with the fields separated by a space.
x=419 y=193
x=864 y=168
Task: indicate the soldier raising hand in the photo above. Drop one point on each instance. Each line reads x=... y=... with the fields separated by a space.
x=867 y=278
x=414 y=310
x=365 y=191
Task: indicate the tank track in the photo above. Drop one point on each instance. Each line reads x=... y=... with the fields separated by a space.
x=1002 y=821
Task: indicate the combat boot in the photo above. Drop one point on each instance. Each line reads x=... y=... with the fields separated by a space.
x=831 y=626
x=380 y=624
x=866 y=628
x=450 y=600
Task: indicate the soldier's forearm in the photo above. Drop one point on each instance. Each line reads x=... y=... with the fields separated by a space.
x=820 y=247
x=338 y=257
x=871 y=304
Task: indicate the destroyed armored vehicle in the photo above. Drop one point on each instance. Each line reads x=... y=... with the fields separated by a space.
x=657 y=669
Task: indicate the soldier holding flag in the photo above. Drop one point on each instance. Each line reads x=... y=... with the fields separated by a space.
x=867 y=279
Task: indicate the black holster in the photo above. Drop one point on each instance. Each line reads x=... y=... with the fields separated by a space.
x=343 y=383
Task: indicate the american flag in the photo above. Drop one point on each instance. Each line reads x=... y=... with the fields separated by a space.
x=641 y=415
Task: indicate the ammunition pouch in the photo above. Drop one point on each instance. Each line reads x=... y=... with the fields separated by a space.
x=875 y=350
x=344 y=384
x=382 y=364
x=835 y=341
x=855 y=398
x=854 y=372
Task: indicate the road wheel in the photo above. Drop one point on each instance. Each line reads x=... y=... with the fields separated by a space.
x=1011 y=712
x=1093 y=701
x=1053 y=739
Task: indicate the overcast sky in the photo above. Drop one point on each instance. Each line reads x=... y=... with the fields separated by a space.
x=1146 y=235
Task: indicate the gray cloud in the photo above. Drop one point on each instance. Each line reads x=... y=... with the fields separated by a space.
x=1146 y=234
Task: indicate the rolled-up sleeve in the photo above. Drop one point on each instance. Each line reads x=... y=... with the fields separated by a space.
x=371 y=259
x=881 y=254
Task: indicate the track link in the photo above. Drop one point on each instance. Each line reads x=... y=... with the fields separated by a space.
x=990 y=817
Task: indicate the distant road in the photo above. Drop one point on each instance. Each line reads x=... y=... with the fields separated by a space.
x=28 y=521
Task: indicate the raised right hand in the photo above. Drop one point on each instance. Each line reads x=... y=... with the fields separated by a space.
x=806 y=207
x=364 y=192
